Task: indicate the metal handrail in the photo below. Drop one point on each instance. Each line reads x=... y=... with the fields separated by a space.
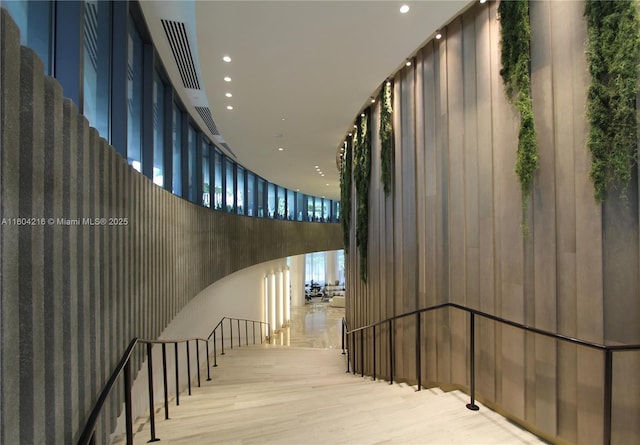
x=607 y=349
x=124 y=367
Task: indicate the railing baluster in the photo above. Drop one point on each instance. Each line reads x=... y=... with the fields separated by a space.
x=239 y=334
x=198 y=359
x=253 y=326
x=165 y=382
x=215 y=355
x=361 y=352
x=127 y=402
x=472 y=360
x=418 y=352
x=608 y=380
x=231 y=331
x=221 y=337
x=188 y=368
x=343 y=334
x=208 y=363
x=374 y=352
x=355 y=352
x=177 y=377
x=152 y=417
x=391 y=352
x=246 y=332
x=348 y=354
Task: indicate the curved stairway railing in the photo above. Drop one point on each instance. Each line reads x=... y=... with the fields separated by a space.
x=350 y=338
x=124 y=368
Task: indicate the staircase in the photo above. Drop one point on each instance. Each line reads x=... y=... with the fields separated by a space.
x=287 y=395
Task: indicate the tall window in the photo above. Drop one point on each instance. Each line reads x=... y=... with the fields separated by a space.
x=158 y=130
x=191 y=159
x=281 y=203
x=240 y=191
x=318 y=208
x=326 y=209
x=97 y=64
x=291 y=204
x=229 y=186
x=35 y=22
x=206 y=175
x=336 y=211
x=315 y=267
x=309 y=208
x=271 y=200
x=217 y=177
x=300 y=205
x=251 y=196
x=260 y=198
x=134 y=96
x=177 y=151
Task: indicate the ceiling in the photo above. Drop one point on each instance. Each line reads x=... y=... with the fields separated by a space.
x=300 y=72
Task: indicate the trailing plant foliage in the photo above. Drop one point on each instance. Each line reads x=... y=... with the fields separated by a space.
x=362 y=176
x=613 y=52
x=345 y=194
x=386 y=135
x=515 y=43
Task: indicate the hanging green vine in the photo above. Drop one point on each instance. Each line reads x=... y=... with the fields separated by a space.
x=345 y=194
x=613 y=52
x=362 y=176
x=515 y=43
x=386 y=135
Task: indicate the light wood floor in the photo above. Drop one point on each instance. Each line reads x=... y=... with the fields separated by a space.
x=300 y=395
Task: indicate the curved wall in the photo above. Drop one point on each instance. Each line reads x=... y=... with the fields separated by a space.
x=450 y=232
x=74 y=294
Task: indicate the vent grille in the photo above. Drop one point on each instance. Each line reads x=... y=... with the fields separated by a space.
x=179 y=43
x=205 y=114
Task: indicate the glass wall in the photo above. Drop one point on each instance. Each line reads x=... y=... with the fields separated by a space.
x=158 y=130
x=177 y=151
x=217 y=175
x=97 y=64
x=181 y=157
x=240 y=191
x=134 y=96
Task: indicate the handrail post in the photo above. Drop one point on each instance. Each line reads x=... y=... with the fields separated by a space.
x=246 y=332
x=343 y=337
x=221 y=337
x=127 y=402
x=188 y=368
x=355 y=352
x=374 y=352
x=152 y=417
x=239 y=335
x=472 y=360
x=177 y=376
x=253 y=326
x=208 y=363
x=391 y=351
x=198 y=359
x=362 y=353
x=215 y=358
x=608 y=380
x=166 y=385
x=231 y=331
x=418 y=352
x=348 y=354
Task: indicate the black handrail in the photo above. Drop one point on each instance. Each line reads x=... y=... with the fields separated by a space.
x=607 y=349
x=124 y=367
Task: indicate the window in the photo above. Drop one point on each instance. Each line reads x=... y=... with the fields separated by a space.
x=134 y=96
x=281 y=203
x=326 y=209
x=177 y=151
x=206 y=175
x=35 y=22
x=97 y=65
x=260 y=198
x=315 y=267
x=240 y=204
x=191 y=164
x=291 y=204
x=271 y=200
x=300 y=204
x=251 y=196
x=217 y=177
x=309 y=208
x=318 y=208
x=336 y=211
x=229 y=186
x=158 y=130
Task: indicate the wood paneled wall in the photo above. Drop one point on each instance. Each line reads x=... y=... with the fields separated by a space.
x=74 y=295
x=451 y=232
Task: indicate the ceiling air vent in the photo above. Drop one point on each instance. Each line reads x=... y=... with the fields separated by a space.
x=179 y=43
x=205 y=114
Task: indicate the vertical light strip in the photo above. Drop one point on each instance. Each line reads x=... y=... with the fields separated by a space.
x=265 y=292
x=287 y=296
x=280 y=300
x=272 y=302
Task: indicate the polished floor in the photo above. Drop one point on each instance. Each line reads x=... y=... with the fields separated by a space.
x=301 y=394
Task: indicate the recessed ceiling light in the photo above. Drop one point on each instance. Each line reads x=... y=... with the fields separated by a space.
x=355 y=126
x=350 y=134
x=408 y=63
x=438 y=35
x=362 y=115
x=373 y=101
x=327 y=186
x=404 y=9
x=229 y=95
x=229 y=107
x=483 y=1
x=280 y=148
x=226 y=59
x=388 y=83
x=297 y=190
x=227 y=79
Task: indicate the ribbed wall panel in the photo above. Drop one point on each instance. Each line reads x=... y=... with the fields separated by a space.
x=72 y=294
x=451 y=232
